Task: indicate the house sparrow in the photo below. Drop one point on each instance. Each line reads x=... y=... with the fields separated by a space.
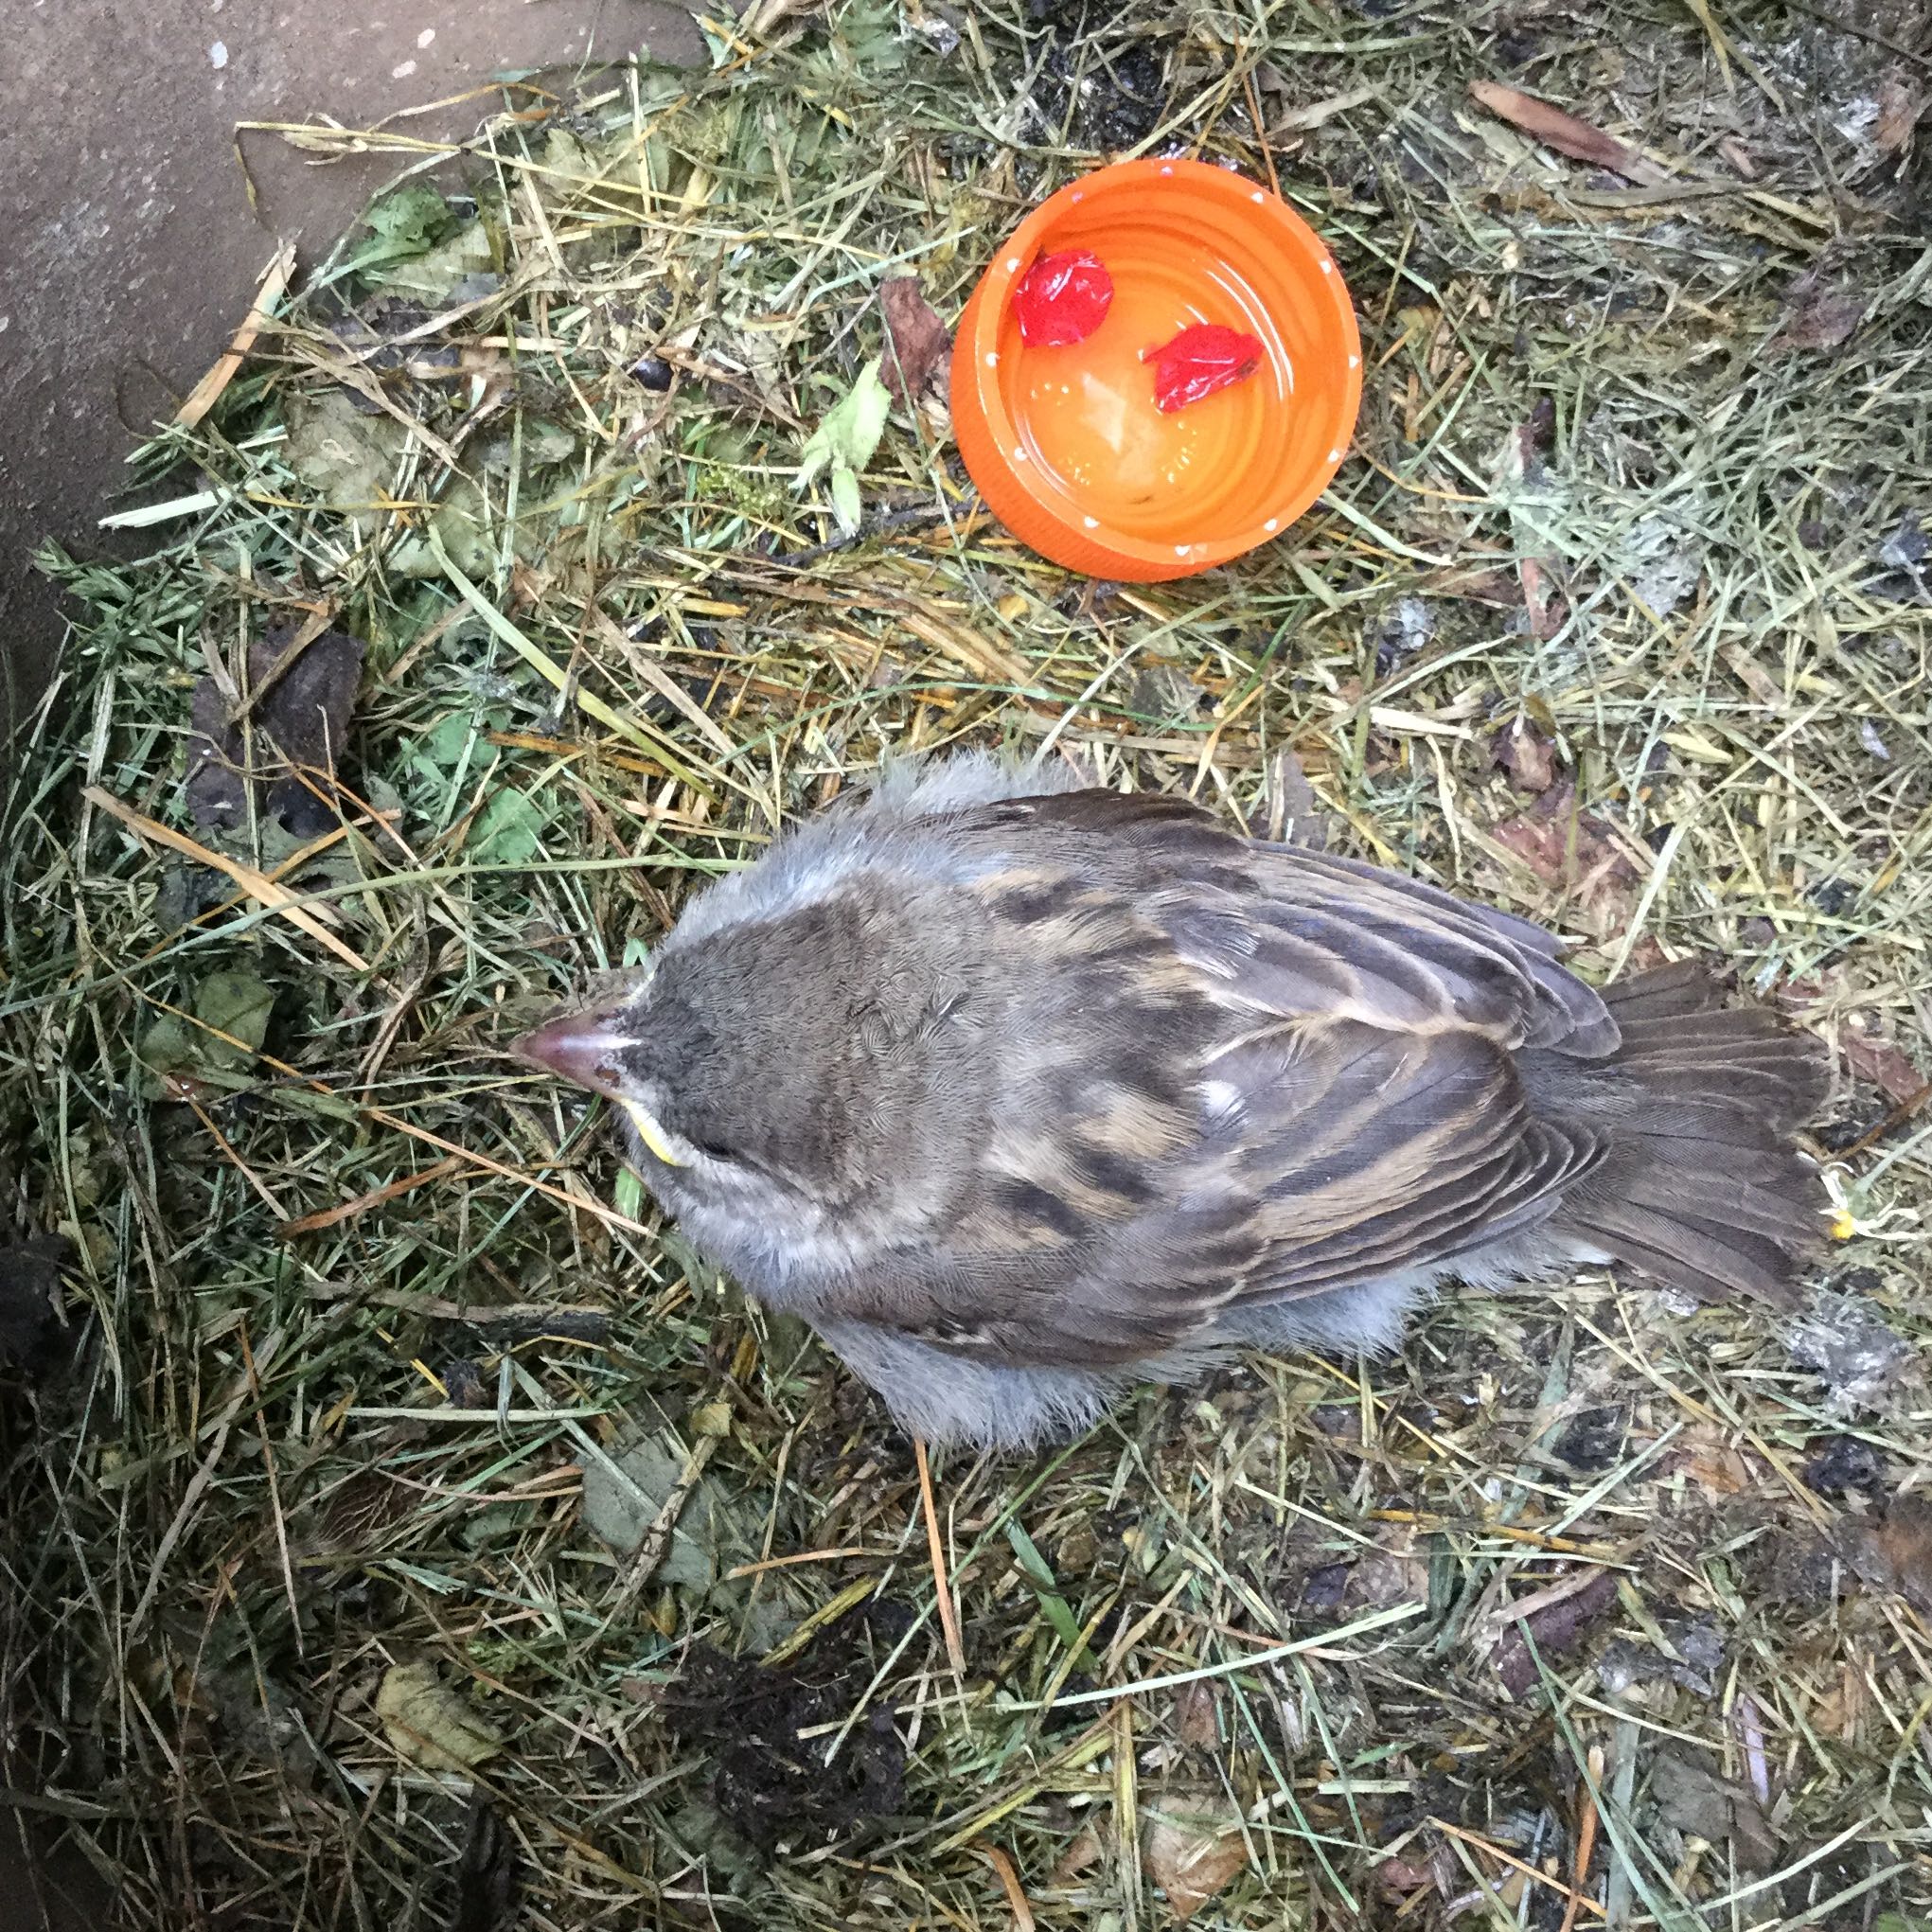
x=1019 y=1091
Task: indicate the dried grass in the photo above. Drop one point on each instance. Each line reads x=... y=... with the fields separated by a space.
x=1585 y=1609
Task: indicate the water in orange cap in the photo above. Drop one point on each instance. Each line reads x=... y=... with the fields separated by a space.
x=1068 y=444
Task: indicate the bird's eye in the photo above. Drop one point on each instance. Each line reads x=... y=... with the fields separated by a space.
x=712 y=1151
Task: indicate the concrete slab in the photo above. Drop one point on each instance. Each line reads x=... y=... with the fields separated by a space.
x=128 y=250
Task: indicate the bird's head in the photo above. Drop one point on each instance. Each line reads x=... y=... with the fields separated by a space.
x=786 y=1077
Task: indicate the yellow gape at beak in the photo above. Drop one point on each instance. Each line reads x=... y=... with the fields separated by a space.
x=585 y=1047
x=652 y=1134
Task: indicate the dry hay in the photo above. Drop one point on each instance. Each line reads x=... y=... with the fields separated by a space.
x=1587 y=1607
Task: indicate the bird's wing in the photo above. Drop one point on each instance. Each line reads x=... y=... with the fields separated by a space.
x=1295 y=931
x=1232 y=1074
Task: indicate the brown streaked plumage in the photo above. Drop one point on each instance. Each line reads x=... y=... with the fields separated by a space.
x=1018 y=1093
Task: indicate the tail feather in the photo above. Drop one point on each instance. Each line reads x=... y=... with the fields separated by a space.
x=1709 y=1261
x=1704 y=1189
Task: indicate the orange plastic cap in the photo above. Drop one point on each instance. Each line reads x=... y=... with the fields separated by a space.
x=1066 y=444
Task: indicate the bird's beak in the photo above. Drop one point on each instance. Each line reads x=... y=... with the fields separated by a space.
x=583 y=1048
x=579 y=1047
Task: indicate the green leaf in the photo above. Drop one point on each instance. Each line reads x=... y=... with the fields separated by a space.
x=509 y=831
x=629 y=1195
x=1040 y=1573
x=444 y=743
x=164 y=1048
x=408 y=222
x=1033 y=1566
x=845 y=504
x=234 y=1003
x=404 y=227
x=849 y=435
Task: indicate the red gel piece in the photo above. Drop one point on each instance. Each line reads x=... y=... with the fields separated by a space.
x=1062 y=298
x=1201 y=358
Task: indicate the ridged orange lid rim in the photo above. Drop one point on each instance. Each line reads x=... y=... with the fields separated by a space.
x=1264 y=241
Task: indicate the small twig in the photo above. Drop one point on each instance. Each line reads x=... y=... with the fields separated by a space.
x=534 y=1317
x=948 y=1615
x=328 y=1217
x=611 y=1218
x=208 y=392
x=842 y=1554
x=1261 y=140
x=1578 y=1901
x=1586 y=1842
x=1010 y=1882
x=657 y=1539
x=880 y=526
x=234 y=1159
x=1896 y=1118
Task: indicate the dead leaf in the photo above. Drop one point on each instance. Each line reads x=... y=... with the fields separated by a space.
x=1905 y=1536
x=348 y=458
x=917 y=341
x=1578 y=856
x=1543 y=601
x=432 y=1725
x=302 y=690
x=1754 y=678
x=1888 y=1067
x=1198 y=1714
x=29 y=1300
x=1691 y=1796
x=1395 y=1572
x=1406 y=1874
x=1193 y=1856
x=1894 y=1553
x=1496 y=588
x=1557 y=1625
x=1900 y=104
x=1294 y=812
x=1085 y=1851
x=216 y=791
x=1563 y=131
x=1703 y=1454
x=1526 y=756
x=1822 y=319
x=761 y=19
x=485 y=1874
x=1840 y=1712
